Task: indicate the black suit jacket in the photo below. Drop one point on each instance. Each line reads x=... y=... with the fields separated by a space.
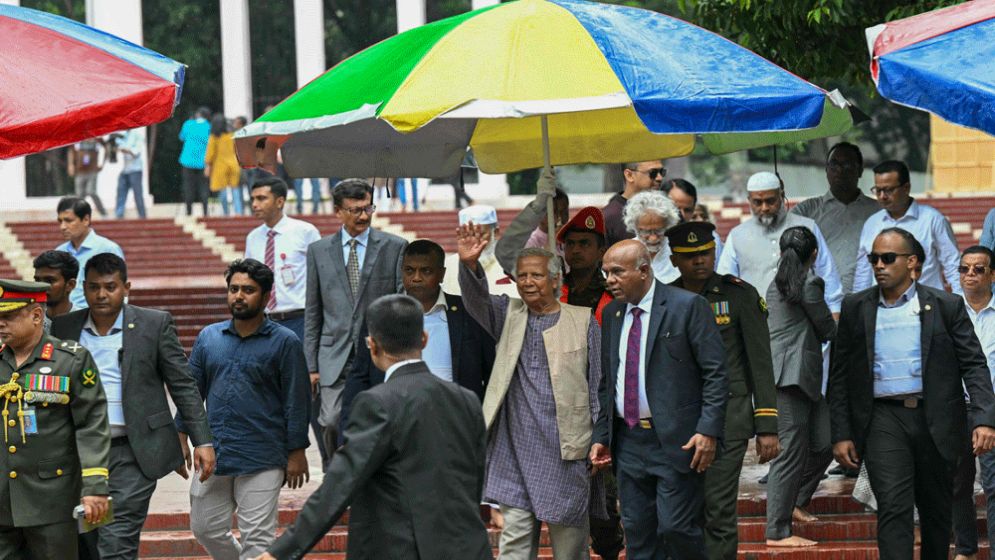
x=151 y=357
x=412 y=471
x=951 y=359
x=686 y=379
x=472 y=350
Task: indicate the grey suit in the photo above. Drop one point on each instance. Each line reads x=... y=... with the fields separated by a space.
x=797 y=331
x=333 y=317
x=412 y=470
x=151 y=357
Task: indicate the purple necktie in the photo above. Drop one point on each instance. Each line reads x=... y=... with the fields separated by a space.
x=630 y=403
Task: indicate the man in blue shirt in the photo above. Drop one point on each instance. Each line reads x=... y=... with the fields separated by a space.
x=194 y=134
x=81 y=241
x=251 y=372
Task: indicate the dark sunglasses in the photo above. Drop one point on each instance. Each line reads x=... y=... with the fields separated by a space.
x=978 y=269
x=653 y=173
x=886 y=258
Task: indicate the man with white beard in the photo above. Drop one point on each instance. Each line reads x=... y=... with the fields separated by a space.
x=498 y=282
x=752 y=248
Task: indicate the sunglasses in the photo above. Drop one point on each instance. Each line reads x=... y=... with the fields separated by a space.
x=978 y=269
x=886 y=258
x=361 y=209
x=654 y=173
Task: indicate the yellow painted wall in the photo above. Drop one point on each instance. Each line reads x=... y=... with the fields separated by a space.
x=962 y=158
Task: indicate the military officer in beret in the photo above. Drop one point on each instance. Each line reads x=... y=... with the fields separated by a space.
x=741 y=315
x=583 y=241
x=55 y=430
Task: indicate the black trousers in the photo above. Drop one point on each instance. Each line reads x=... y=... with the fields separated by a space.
x=662 y=506
x=56 y=541
x=607 y=539
x=195 y=188
x=907 y=471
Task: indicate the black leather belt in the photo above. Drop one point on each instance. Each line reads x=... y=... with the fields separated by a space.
x=910 y=402
x=285 y=315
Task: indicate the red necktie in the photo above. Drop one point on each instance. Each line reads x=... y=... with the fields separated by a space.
x=270 y=258
x=630 y=403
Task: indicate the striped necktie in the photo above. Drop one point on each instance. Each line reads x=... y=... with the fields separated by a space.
x=270 y=258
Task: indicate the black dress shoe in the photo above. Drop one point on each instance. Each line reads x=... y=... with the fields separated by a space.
x=764 y=478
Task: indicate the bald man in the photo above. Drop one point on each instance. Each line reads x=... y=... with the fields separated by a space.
x=663 y=395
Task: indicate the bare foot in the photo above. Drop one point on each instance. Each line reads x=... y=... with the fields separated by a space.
x=802 y=516
x=793 y=541
x=966 y=557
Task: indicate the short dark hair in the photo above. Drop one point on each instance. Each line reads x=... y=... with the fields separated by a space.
x=203 y=112
x=682 y=185
x=852 y=148
x=980 y=250
x=79 y=206
x=561 y=194
x=66 y=264
x=276 y=185
x=893 y=166
x=355 y=189
x=912 y=244
x=257 y=271
x=426 y=248
x=106 y=263
x=396 y=322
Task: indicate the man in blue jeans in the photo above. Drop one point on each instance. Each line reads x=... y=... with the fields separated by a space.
x=976 y=278
x=131 y=146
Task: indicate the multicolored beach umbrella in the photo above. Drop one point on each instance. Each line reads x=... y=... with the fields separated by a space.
x=613 y=83
x=62 y=82
x=941 y=62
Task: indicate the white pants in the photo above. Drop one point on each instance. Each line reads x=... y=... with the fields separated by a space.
x=520 y=537
x=253 y=497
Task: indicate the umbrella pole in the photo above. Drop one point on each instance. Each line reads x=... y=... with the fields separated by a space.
x=546 y=168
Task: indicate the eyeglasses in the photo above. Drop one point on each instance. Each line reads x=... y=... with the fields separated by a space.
x=641 y=233
x=886 y=258
x=359 y=210
x=886 y=191
x=978 y=269
x=654 y=173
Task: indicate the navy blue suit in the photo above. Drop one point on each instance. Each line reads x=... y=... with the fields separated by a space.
x=686 y=388
x=472 y=354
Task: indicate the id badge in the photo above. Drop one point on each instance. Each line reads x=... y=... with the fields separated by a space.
x=287 y=273
x=30 y=421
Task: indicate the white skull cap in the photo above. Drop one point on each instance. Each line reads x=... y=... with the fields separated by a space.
x=481 y=214
x=763 y=181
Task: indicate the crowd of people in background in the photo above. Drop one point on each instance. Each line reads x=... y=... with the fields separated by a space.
x=609 y=389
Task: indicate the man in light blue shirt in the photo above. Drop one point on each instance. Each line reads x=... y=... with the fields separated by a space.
x=925 y=223
x=132 y=148
x=976 y=279
x=81 y=241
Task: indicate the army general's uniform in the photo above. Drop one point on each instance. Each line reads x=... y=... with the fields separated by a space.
x=55 y=447
x=741 y=315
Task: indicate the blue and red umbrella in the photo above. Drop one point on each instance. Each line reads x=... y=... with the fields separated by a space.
x=941 y=61
x=62 y=82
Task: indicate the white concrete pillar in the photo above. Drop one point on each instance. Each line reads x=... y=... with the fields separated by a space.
x=236 y=61
x=12 y=175
x=309 y=33
x=123 y=19
x=410 y=14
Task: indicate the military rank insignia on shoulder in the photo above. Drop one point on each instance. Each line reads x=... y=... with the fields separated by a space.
x=70 y=346
x=733 y=279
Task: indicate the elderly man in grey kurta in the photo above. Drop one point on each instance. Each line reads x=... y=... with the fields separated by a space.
x=752 y=248
x=540 y=404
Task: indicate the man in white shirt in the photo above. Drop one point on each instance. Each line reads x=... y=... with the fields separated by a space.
x=82 y=242
x=976 y=279
x=281 y=243
x=925 y=223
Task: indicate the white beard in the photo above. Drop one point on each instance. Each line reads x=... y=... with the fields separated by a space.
x=772 y=222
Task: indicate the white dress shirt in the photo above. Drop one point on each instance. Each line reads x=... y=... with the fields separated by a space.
x=984 y=327
x=931 y=229
x=438 y=353
x=646 y=304
x=290 y=258
x=390 y=371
